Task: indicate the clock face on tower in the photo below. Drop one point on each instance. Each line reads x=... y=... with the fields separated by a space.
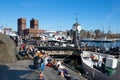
x=76 y=27
x=79 y=28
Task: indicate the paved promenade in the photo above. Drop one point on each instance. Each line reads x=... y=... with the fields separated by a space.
x=17 y=71
x=21 y=71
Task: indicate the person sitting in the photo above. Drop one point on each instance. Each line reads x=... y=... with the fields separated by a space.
x=22 y=54
x=54 y=64
x=61 y=70
x=58 y=63
x=48 y=60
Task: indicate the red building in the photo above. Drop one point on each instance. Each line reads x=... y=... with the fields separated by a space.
x=21 y=26
x=34 y=24
x=33 y=31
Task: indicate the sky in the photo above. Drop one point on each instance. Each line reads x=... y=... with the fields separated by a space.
x=61 y=14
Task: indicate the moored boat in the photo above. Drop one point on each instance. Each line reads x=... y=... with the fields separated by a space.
x=100 y=66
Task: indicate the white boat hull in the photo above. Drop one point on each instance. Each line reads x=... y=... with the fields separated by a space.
x=93 y=73
x=96 y=74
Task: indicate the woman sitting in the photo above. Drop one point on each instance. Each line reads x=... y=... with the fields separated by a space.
x=61 y=70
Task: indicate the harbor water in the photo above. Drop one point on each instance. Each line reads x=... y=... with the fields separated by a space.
x=105 y=45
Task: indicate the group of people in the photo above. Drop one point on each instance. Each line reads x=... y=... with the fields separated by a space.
x=39 y=57
x=42 y=59
x=61 y=70
x=26 y=51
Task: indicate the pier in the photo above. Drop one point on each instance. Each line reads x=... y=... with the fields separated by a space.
x=21 y=71
x=55 y=48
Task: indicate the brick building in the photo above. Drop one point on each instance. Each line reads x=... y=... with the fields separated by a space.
x=21 y=26
x=33 y=31
x=34 y=24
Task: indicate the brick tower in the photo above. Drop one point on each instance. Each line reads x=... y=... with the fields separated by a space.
x=34 y=24
x=21 y=26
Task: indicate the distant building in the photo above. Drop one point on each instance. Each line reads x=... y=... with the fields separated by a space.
x=98 y=33
x=34 y=24
x=33 y=31
x=7 y=31
x=21 y=26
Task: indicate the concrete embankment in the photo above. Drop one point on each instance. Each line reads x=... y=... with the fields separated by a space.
x=20 y=71
x=17 y=71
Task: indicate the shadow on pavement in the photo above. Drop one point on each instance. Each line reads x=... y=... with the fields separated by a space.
x=14 y=74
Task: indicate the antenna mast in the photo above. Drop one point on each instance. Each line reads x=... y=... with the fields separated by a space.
x=76 y=17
